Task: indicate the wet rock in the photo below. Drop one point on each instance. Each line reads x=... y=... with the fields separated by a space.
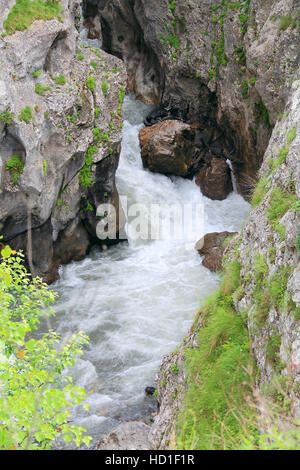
x=168 y=147
x=214 y=179
x=212 y=248
x=127 y=436
x=150 y=390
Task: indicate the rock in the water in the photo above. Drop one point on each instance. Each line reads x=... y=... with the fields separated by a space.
x=211 y=247
x=214 y=179
x=150 y=390
x=168 y=147
x=127 y=436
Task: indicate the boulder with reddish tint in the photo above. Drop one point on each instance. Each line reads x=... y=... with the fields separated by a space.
x=168 y=147
x=211 y=246
x=214 y=179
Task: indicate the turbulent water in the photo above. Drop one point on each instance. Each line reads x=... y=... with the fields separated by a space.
x=136 y=300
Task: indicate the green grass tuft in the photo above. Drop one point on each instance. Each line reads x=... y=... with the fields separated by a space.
x=218 y=374
x=25 y=12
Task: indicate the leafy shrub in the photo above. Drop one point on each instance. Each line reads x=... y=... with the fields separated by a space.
x=7 y=117
x=90 y=82
x=34 y=396
x=15 y=166
x=59 y=79
x=41 y=89
x=26 y=115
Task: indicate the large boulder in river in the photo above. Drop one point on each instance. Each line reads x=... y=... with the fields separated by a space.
x=168 y=147
x=132 y=435
x=211 y=246
x=214 y=179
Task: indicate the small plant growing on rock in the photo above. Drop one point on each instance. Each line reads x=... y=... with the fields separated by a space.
x=121 y=94
x=298 y=242
x=174 y=368
x=105 y=87
x=26 y=115
x=45 y=167
x=285 y=22
x=7 y=117
x=90 y=83
x=15 y=167
x=59 y=79
x=41 y=89
x=245 y=90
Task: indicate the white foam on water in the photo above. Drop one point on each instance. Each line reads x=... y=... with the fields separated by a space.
x=137 y=300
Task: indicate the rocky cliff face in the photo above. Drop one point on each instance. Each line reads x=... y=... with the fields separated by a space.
x=268 y=252
x=228 y=65
x=60 y=133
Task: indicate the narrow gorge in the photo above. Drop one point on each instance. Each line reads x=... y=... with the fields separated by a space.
x=194 y=341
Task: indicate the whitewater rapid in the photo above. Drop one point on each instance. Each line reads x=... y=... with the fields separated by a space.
x=137 y=300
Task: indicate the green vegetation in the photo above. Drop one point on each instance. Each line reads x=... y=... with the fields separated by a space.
x=215 y=408
x=261 y=111
x=26 y=115
x=35 y=397
x=41 y=89
x=277 y=286
x=241 y=54
x=15 y=166
x=7 y=117
x=245 y=90
x=261 y=188
x=94 y=65
x=59 y=79
x=280 y=202
x=97 y=112
x=85 y=175
x=285 y=22
x=174 y=368
x=25 y=12
x=36 y=74
x=45 y=167
x=275 y=164
x=260 y=191
x=80 y=56
x=121 y=94
x=105 y=87
x=298 y=241
x=90 y=83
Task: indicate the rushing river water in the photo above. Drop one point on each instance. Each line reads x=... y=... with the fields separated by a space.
x=136 y=300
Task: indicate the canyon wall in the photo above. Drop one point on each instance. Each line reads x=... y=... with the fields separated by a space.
x=60 y=133
x=227 y=65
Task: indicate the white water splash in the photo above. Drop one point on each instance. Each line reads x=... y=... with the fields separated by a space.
x=136 y=301
x=232 y=175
